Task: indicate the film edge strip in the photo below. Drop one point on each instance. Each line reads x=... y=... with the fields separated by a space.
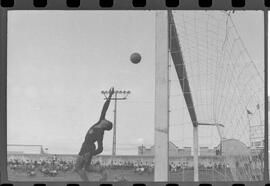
x=137 y=4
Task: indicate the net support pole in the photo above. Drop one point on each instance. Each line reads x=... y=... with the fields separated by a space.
x=161 y=98
x=195 y=153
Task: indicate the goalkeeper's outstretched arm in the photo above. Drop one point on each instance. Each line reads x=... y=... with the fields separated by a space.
x=106 y=105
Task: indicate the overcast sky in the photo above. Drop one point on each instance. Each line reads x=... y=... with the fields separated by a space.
x=59 y=61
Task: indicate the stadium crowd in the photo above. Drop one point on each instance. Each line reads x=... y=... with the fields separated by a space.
x=54 y=166
x=47 y=167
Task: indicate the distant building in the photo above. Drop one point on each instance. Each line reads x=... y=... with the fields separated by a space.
x=186 y=151
x=205 y=151
x=174 y=151
x=14 y=152
x=24 y=149
x=229 y=147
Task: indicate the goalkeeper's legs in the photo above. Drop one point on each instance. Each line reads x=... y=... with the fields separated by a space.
x=79 y=168
x=83 y=176
x=87 y=163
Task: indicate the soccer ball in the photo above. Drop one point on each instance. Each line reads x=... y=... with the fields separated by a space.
x=135 y=58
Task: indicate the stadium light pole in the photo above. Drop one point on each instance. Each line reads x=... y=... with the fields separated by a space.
x=118 y=95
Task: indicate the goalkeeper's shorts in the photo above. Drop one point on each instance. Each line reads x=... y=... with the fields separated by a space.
x=83 y=161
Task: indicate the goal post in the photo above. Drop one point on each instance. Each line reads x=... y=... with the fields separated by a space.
x=180 y=66
x=165 y=31
x=162 y=97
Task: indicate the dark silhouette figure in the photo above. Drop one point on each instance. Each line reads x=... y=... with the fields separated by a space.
x=94 y=134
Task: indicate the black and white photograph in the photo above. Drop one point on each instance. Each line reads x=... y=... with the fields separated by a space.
x=126 y=96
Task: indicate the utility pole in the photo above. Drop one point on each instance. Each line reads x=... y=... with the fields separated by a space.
x=114 y=124
x=118 y=95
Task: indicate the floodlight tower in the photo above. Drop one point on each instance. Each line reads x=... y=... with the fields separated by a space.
x=118 y=95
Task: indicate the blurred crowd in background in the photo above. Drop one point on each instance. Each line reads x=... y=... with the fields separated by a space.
x=54 y=166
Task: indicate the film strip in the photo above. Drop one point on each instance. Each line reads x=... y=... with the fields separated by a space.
x=141 y=92
x=137 y=4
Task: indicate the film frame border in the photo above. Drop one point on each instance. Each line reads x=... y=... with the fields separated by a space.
x=135 y=5
x=122 y=5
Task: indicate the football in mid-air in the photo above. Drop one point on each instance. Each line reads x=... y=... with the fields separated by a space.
x=135 y=58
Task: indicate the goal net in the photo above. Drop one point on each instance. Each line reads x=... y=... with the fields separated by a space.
x=227 y=89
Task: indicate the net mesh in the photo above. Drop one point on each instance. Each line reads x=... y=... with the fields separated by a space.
x=227 y=89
